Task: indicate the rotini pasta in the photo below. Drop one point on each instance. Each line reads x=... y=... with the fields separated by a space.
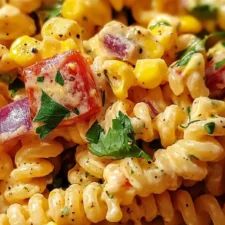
x=32 y=169
x=112 y=112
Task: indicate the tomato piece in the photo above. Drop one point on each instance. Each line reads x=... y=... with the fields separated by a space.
x=77 y=92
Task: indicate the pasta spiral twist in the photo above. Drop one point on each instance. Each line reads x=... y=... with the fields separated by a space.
x=187 y=158
x=165 y=124
x=78 y=206
x=190 y=77
x=6 y=166
x=175 y=208
x=32 y=169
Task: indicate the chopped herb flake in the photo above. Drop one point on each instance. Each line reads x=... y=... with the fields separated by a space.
x=59 y=79
x=51 y=113
x=118 y=143
x=210 y=127
x=76 y=111
x=204 y=11
x=15 y=86
x=65 y=211
x=158 y=24
x=189 y=123
x=220 y=64
x=196 y=46
x=40 y=79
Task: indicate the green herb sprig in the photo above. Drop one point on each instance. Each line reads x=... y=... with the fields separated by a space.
x=118 y=143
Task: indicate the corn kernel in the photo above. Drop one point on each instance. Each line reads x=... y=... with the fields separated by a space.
x=25 y=50
x=221 y=17
x=14 y=23
x=117 y=4
x=51 y=46
x=26 y=6
x=150 y=73
x=6 y=63
x=97 y=11
x=165 y=33
x=189 y=24
x=88 y=13
x=61 y=29
x=121 y=77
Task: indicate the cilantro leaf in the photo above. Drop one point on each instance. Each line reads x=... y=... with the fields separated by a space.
x=59 y=79
x=220 y=64
x=119 y=142
x=15 y=86
x=204 y=11
x=51 y=113
x=40 y=79
x=53 y=11
x=196 y=46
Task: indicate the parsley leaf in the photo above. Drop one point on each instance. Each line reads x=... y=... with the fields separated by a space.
x=53 y=11
x=220 y=64
x=204 y=11
x=59 y=79
x=40 y=79
x=15 y=86
x=210 y=127
x=196 y=46
x=119 y=142
x=51 y=113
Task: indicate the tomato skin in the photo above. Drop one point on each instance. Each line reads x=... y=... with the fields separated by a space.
x=79 y=90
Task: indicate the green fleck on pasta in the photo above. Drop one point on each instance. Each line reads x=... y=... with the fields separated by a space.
x=220 y=64
x=65 y=211
x=210 y=127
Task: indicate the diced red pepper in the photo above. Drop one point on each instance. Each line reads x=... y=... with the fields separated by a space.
x=78 y=93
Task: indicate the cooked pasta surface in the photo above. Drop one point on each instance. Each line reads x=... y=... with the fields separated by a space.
x=112 y=112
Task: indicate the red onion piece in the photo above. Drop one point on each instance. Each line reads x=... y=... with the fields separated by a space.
x=118 y=46
x=15 y=120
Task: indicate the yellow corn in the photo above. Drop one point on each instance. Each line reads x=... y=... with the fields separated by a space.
x=88 y=13
x=51 y=46
x=150 y=73
x=14 y=23
x=6 y=63
x=121 y=77
x=221 y=16
x=164 y=32
x=61 y=29
x=25 y=51
x=189 y=24
x=26 y=6
x=117 y=4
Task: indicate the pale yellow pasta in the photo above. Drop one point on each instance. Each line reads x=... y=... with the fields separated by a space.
x=190 y=77
x=30 y=175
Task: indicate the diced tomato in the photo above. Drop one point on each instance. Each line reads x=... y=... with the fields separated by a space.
x=215 y=80
x=78 y=93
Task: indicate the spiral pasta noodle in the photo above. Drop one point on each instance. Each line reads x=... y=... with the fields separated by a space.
x=30 y=175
